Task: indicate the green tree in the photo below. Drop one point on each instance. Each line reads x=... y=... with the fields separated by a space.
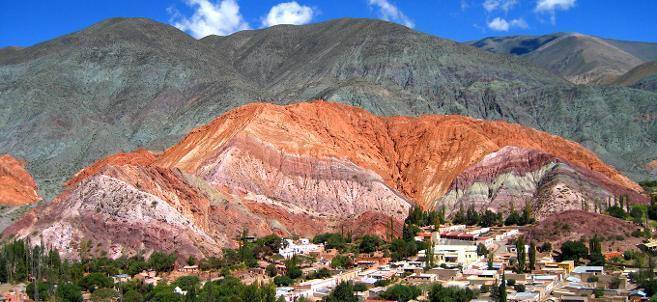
x=133 y=296
x=271 y=270
x=481 y=249
x=369 y=244
x=573 y=250
x=164 y=293
x=459 y=217
x=331 y=240
x=104 y=295
x=532 y=256
x=69 y=292
x=428 y=255
x=191 y=260
x=438 y=293
x=513 y=218
x=526 y=215
x=502 y=289
x=42 y=293
x=162 y=262
x=283 y=281
x=293 y=270
x=471 y=216
x=94 y=281
x=344 y=292
x=616 y=211
x=520 y=254
x=187 y=283
x=595 y=251
x=489 y=219
x=341 y=261
x=401 y=293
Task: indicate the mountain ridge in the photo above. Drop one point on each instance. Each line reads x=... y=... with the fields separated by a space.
x=106 y=90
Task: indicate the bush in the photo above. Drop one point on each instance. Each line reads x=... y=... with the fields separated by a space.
x=162 y=262
x=188 y=282
x=360 y=287
x=95 y=281
x=331 y=240
x=104 y=295
x=283 y=281
x=592 y=279
x=293 y=270
x=511 y=282
x=133 y=296
x=319 y=274
x=369 y=244
x=519 y=287
x=271 y=270
x=341 y=261
x=574 y=250
x=43 y=290
x=69 y=292
x=616 y=211
x=598 y=292
x=545 y=247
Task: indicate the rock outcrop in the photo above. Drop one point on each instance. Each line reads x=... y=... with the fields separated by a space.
x=17 y=187
x=513 y=177
x=302 y=169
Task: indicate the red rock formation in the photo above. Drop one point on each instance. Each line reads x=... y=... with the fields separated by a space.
x=139 y=157
x=513 y=176
x=17 y=187
x=298 y=169
x=419 y=157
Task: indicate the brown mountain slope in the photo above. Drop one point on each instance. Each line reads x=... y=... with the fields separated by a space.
x=293 y=170
x=584 y=59
x=576 y=225
x=17 y=187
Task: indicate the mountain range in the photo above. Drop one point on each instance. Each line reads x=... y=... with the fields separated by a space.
x=312 y=167
x=580 y=58
x=127 y=83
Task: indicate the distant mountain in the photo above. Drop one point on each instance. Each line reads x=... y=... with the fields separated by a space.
x=307 y=168
x=579 y=58
x=643 y=76
x=122 y=84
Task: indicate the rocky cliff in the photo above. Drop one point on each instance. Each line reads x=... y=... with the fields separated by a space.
x=17 y=187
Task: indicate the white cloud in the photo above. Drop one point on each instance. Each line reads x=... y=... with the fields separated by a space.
x=505 y=5
x=390 y=12
x=220 y=18
x=550 y=6
x=500 y=24
x=288 y=13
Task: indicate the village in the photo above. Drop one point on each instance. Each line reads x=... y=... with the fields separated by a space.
x=481 y=263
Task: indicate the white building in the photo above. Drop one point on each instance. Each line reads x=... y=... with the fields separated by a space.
x=303 y=246
x=453 y=254
x=290 y=294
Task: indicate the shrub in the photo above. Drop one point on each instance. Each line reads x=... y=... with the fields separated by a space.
x=282 y=281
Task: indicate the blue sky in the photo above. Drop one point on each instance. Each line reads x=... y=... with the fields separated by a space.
x=24 y=23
